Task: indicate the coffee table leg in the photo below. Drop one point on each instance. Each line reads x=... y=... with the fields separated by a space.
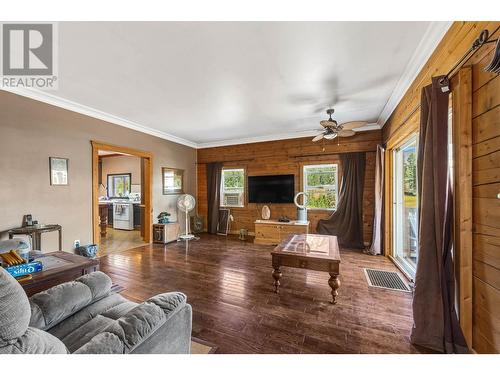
x=334 y=283
x=276 y=277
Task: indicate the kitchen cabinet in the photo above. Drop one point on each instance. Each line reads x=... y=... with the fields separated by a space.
x=110 y=215
x=137 y=215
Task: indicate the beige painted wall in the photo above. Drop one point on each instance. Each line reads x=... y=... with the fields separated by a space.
x=122 y=164
x=31 y=131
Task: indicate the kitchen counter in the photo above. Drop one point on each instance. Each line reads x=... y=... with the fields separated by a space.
x=111 y=202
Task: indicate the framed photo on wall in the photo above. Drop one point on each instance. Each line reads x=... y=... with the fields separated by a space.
x=173 y=180
x=58 y=171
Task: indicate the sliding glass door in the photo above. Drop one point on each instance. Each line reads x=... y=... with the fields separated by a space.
x=405 y=217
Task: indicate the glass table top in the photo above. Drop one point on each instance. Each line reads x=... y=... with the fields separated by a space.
x=310 y=245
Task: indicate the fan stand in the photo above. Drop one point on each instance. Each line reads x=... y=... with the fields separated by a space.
x=187 y=236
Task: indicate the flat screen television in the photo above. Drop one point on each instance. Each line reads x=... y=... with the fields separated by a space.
x=271 y=189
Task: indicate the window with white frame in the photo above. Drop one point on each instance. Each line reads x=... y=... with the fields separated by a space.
x=321 y=185
x=232 y=187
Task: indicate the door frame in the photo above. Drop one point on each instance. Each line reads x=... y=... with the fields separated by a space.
x=404 y=267
x=147 y=179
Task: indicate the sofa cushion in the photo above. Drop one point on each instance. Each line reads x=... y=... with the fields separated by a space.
x=169 y=302
x=103 y=343
x=34 y=341
x=111 y=303
x=143 y=320
x=57 y=303
x=86 y=332
x=120 y=319
x=14 y=308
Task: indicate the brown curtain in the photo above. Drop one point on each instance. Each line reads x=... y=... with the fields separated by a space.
x=435 y=319
x=214 y=173
x=347 y=221
x=377 y=245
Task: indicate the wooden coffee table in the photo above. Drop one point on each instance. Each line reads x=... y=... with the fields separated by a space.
x=310 y=251
x=65 y=267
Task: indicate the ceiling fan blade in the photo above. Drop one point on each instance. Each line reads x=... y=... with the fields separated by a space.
x=346 y=133
x=318 y=137
x=353 y=124
x=328 y=123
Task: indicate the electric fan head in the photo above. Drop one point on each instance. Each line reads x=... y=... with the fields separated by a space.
x=186 y=202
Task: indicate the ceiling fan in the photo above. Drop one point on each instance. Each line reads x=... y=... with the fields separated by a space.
x=332 y=130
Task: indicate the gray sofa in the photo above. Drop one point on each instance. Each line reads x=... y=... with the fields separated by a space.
x=85 y=316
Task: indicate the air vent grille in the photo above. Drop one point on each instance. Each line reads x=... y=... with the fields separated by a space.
x=386 y=280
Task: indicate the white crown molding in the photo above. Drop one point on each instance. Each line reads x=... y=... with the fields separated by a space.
x=48 y=98
x=433 y=35
x=368 y=127
x=275 y=137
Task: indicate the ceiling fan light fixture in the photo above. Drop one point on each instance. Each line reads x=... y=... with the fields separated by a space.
x=331 y=135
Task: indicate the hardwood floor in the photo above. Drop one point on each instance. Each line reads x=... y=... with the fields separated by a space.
x=229 y=285
x=117 y=240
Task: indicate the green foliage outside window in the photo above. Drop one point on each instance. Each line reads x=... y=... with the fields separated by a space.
x=321 y=185
x=410 y=174
x=233 y=179
x=321 y=176
x=320 y=198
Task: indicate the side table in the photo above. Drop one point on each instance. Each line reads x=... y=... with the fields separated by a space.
x=165 y=233
x=35 y=233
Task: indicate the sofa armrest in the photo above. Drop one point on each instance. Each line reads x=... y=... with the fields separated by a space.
x=139 y=324
x=53 y=305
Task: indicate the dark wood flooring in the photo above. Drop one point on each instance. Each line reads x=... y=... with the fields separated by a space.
x=229 y=285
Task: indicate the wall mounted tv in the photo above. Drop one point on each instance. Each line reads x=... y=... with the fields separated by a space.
x=271 y=189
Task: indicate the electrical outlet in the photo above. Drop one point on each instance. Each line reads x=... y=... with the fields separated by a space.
x=76 y=244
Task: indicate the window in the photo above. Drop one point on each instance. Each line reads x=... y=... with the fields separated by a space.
x=119 y=185
x=320 y=184
x=232 y=188
x=405 y=217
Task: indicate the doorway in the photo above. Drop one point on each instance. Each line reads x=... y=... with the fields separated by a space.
x=121 y=198
x=405 y=215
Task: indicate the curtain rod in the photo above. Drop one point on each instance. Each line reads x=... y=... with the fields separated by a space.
x=481 y=40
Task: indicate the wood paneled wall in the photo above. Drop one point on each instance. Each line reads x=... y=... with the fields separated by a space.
x=288 y=157
x=486 y=208
x=485 y=179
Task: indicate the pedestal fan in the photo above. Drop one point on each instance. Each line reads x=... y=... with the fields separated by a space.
x=186 y=203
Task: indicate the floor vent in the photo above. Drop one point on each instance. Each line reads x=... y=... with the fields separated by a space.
x=386 y=280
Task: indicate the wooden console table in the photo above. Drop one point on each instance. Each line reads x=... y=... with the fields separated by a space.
x=35 y=232
x=272 y=232
x=310 y=251
x=72 y=267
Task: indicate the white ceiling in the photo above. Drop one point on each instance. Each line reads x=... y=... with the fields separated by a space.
x=214 y=83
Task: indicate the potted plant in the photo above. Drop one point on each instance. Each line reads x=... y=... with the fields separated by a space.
x=163 y=217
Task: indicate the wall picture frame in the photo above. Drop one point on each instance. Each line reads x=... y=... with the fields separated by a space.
x=172 y=180
x=59 y=171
